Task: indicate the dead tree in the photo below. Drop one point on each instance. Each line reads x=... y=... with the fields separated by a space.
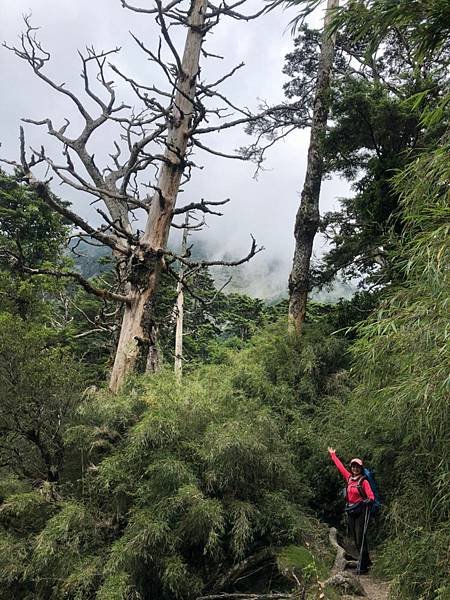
x=308 y=216
x=179 y=307
x=157 y=142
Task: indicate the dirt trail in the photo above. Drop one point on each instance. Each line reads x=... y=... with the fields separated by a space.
x=375 y=590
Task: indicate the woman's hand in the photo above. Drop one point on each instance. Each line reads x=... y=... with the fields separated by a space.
x=331 y=450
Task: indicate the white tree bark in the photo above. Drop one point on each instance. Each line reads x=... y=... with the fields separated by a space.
x=179 y=307
x=135 y=331
x=178 y=364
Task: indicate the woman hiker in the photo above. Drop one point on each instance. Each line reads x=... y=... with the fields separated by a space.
x=359 y=497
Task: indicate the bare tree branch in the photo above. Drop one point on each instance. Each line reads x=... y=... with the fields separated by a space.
x=201 y=206
x=85 y=283
x=254 y=249
x=243 y=121
x=217 y=152
x=150 y=11
x=229 y=11
x=193 y=227
x=32 y=52
x=167 y=37
x=214 y=84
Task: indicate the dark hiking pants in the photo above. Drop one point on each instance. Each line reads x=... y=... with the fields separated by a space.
x=356 y=532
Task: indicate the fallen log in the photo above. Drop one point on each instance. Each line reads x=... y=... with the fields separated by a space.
x=340 y=562
x=243 y=567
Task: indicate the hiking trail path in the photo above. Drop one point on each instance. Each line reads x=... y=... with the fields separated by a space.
x=375 y=589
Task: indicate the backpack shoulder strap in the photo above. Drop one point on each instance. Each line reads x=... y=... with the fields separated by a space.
x=360 y=487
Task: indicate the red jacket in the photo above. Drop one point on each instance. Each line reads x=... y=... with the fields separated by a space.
x=353 y=494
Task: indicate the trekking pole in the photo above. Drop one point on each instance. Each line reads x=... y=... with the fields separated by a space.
x=366 y=524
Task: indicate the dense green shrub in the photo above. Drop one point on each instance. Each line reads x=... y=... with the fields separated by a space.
x=40 y=386
x=179 y=482
x=397 y=415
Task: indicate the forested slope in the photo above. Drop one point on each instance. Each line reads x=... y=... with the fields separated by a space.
x=216 y=483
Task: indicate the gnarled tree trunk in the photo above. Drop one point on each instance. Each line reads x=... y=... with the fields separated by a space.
x=140 y=256
x=308 y=216
x=137 y=326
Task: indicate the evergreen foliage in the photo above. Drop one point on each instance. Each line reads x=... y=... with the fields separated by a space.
x=172 y=491
x=31 y=235
x=404 y=355
x=29 y=230
x=40 y=387
x=375 y=130
x=183 y=483
x=39 y=381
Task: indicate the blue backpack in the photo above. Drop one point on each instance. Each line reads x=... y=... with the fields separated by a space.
x=376 y=504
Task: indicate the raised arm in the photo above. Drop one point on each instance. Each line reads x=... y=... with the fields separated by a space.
x=342 y=470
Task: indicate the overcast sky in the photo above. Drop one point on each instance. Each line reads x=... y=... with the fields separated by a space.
x=265 y=207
